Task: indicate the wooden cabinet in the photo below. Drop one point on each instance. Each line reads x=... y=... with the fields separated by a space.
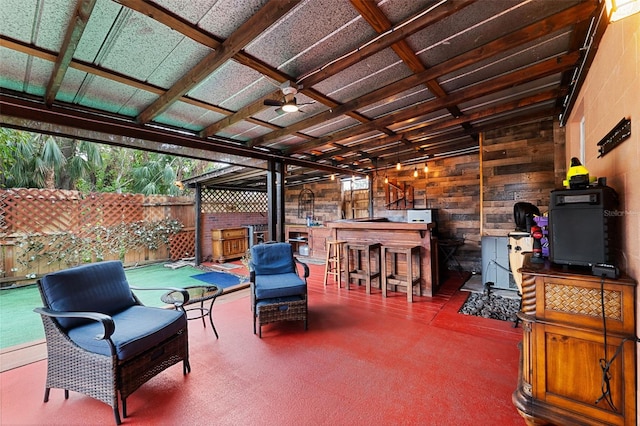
x=318 y=242
x=297 y=236
x=229 y=243
x=313 y=237
x=561 y=378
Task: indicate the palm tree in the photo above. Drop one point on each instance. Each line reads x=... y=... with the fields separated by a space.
x=32 y=160
x=155 y=174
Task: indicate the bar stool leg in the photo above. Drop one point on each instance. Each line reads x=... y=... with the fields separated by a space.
x=367 y=268
x=410 y=275
x=339 y=264
x=383 y=271
x=327 y=265
x=418 y=259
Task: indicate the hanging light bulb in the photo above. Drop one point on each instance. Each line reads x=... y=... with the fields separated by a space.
x=386 y=179
x=398 y=166
x=333 y=176
x=426 y=168
x=415 y=172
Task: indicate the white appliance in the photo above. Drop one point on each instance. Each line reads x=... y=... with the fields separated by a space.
x=423 y=215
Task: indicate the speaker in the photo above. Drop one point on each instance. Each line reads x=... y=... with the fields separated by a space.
x=582 y=225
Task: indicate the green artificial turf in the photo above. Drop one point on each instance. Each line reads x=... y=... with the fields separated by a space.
x=19 y=324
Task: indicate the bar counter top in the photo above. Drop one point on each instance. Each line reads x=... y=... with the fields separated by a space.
x=396 y=234
x=379 y=224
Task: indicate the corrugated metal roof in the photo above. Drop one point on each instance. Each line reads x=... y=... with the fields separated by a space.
x=430 y=73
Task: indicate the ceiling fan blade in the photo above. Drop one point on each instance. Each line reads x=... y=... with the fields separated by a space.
x=271 y=102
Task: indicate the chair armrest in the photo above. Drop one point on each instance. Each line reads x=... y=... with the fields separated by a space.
x=178 y=304
x=304 y=265
x=105 y=320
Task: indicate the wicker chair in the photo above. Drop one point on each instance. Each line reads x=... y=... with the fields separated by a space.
x=278 y=293
x=101 y=341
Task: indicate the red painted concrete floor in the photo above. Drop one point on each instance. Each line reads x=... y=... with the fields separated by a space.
x=364 y=361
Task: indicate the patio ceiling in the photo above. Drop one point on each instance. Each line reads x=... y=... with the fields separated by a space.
x=378 y=82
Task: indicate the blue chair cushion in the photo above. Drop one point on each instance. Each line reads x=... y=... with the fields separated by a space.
x=279 y=285
x=136 y=329
x=96 y=287
x=272 y=258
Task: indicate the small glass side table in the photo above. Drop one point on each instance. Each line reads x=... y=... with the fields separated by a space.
x=197 y=294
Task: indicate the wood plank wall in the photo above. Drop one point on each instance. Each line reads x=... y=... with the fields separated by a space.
x=453 y=188
x=327 y=204
x=519 y=163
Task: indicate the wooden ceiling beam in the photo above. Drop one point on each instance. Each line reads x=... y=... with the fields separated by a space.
x=184 y=27
x=171 y=20
x=241 y=114
x=533 y=72
x=401 y=31
x=76 y=27
x=379 y=21
x=506 y=107
x=37 y=52
x=512 y=40
x=243 y=35
x=425 y=129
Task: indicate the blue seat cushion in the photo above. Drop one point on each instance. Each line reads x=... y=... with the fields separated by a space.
x=137 y=329
x=279 y=285
x=272 y=258
x=96 y=287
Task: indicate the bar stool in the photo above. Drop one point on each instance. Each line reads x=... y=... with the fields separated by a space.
x=360 y=268
x=333 y=262
x=393 y=276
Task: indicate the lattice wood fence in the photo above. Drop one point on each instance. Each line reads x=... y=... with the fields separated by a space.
x=40 y=229
x=226 y=201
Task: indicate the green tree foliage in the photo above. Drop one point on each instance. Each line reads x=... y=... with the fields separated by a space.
x=29 y=160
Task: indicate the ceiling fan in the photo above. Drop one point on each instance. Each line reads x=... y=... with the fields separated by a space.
x=288 y=102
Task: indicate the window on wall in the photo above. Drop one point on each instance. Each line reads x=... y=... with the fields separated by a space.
x=355 y=198
x=354 y=184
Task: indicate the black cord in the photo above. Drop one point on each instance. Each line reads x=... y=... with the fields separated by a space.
x=605 y=365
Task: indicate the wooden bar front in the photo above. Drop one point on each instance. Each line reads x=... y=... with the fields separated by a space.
x=395 y=234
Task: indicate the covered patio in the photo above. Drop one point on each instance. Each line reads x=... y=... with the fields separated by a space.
x=461 y=106
x=436 y=366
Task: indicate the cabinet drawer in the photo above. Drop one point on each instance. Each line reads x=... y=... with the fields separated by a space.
x=234 y=233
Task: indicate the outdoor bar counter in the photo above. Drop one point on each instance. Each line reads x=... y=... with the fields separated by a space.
x=396 y=234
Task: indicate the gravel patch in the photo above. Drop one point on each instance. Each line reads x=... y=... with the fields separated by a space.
x=488 y=305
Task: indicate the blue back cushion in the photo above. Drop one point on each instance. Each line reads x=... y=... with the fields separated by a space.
x=272 y=258
x=96 y=287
